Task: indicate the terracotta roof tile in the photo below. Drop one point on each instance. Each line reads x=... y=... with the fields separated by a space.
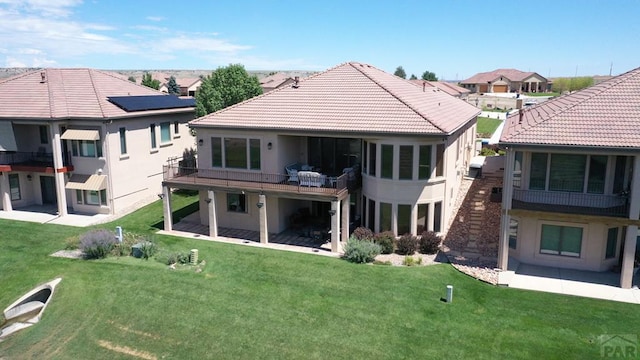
x=68 y=93
x=511 y=74
x=449 y=88
x=351 y=97
x=607 y=114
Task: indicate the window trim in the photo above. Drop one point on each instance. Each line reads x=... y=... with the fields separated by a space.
x=244 y=208
x=165 y=128
x=176 y=129
x=15 y=186
x=153 y=136
x=77 y=147
x=613 y=240
x=123 y=141
x=560 y=252
x=82 y=197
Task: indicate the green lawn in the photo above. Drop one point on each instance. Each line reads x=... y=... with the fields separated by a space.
x=486 y=126
x=542 y=94
x=251 y=303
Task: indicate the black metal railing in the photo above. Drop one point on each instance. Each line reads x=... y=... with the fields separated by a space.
x=36 y=159
x=571 y=202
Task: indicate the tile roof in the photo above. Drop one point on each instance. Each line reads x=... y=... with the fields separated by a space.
x=449 y=88
x=69 y=93
x=603 y=115
x=511 y=74
x=350 y=97
x=274 y=80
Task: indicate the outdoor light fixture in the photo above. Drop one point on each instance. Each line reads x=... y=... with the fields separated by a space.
x=260 y=204
x=269 y=145
x=207 y=200
x=161 y=196
x=332 y=212
x=200 y=142
x=29 y=177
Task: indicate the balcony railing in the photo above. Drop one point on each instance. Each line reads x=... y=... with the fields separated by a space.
x=325 y=185
x=571 y=202
x=31 y=159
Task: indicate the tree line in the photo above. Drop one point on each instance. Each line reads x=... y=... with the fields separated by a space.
x=427 y=75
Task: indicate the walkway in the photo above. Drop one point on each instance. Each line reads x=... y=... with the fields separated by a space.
x=48 y=215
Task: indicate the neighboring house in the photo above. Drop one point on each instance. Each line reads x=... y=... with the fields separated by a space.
x=86 y=140
x=188 y=86
x=571 y=195
x=275 y=81
x=505 y=81
x=449 y=88
x=352 y=145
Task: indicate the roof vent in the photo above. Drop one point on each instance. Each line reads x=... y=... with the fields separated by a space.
x=424 y=86
x=296 y=81
x=43 y=75
x=520 y=114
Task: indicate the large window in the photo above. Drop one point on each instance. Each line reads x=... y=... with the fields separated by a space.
x=371 y=221
x=513 y=233
x=91 y=197
x=437 y=216
x=561 y=240
x=423 y=218
x=123 y=141
x=440 y=160
x=86 y=148
x=404 y=219
x=237 y=203
x=239 y=153
x=165 y=132
x=385 y=217
x=597 y=173
x=386 y=161
x=612 y=243
x=568 y=172
x=152 y=133
x=44 y=134
x=14 y=186
x=235 y=150
x=216 y=152
x=424 y=165
x=254 y=154
x=372 y=159
x=405 y=166
x=538 y=173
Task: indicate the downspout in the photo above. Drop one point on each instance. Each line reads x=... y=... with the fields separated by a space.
x=107 y=154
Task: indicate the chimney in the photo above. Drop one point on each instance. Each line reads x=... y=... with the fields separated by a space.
x=43 y=75
x=424 y=86
x=520 y=115
x=296 y=80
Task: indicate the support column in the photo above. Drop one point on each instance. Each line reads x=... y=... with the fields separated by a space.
x=335 y=226
x=505 y=219
x=211 y=210
x=166 y=205
x=344 y=231
x=5 y=192
x=628 y=256
x=56 y=145
x=262 y=209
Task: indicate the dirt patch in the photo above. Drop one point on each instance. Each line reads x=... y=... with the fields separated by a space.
x=126 y=350
x=398 y=260
x=69 y=254
x=137 y=332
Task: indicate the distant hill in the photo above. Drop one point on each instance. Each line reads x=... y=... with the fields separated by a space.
x=179 y=74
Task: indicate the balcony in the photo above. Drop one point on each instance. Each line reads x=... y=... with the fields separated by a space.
x=571 y=202
x=32 y=162
x=201 y=179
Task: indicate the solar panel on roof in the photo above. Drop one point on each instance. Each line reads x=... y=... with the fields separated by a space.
x=150 y=102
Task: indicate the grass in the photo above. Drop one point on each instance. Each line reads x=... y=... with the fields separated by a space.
x=487 y=126
x=251 y=303
x=542 y=94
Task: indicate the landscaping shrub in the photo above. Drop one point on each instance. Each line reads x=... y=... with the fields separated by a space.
x=72 y=243
x=411 y=261
x=386 y=241
x=148 y=248
x=124 y=248
x=169 y=258
x=429 y=242
x=407 y=244
x=487 y=152
x=362 y=233
x=360 y=251
x=97 y=244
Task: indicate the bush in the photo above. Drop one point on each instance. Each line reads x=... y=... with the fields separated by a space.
x=429 y=242
x=148 y=248
x=174 y=258
x=407 y=244
x=386 y=241
x=97 y=244
x=411 y=261
x=124 y=248
x=360 y=251
x=72 y=243
x=362 y=233
x=487 y=152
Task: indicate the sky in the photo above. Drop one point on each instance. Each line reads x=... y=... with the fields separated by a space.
x=453 y=38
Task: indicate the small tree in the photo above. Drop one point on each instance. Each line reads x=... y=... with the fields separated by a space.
x=413 y=77
x=173 y=87
x=429 y=76
x=225 y=86
x=132 y=79
x=400 y=72
x=149 y=81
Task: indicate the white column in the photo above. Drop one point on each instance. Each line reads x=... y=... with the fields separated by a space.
x=505 y=219
x=344 y=231
x=5 y=192
x=335 y=226
x=213 y=217
x=166 y=204
x=628 y=255
x=56 y=145
x=262 y=209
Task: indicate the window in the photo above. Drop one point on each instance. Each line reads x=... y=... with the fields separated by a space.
x=372 y=159
x=237 y=203
x=86 y=148
x=566 y=172
x=620 y=175
x=385 y=217
x=91 y=197
x=561 y=240
x=386 y=161
x=440 y=160
x=152 y=129
x=517 y=169
x=44 y=134
x=254 y=154
x=371 y=222
x=123 y=141
x=437 y=216
x=235 y=151
x=364 y=156
x=612 y=243
x=405 y=171
x=165 y=132
x=176 y=129
x=513 y=233
x=423 y=218
x=14 y=186
x=216 y=152
x=404 y=219
x=424 y=162
x=597 y=173
x=538 y=176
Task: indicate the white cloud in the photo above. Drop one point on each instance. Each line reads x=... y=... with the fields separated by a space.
x=155 y=18
x=198 y=44
x=150 y=28
x=13 y=62
x=59 y=8
x=28 y=51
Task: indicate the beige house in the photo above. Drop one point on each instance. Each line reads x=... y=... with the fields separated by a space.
x=275 y=81
x=505 y=81
x=86 y=141
x=571 y=196
x=188 y=86
x=349 y=146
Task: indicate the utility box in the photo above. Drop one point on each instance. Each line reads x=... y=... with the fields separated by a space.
x=193 y=256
